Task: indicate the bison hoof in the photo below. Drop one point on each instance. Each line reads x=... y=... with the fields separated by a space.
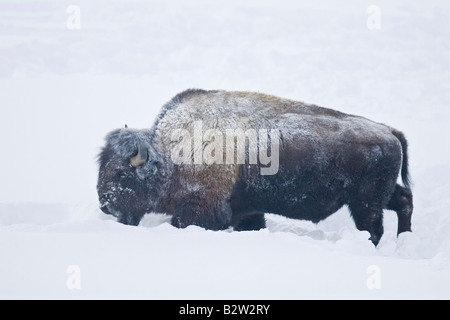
x=375 y=240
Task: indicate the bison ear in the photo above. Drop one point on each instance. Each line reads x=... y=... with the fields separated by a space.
x=141 y=157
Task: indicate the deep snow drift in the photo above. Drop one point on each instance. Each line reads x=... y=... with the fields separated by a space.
x=62 y=90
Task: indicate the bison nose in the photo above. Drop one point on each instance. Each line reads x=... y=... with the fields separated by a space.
x=105 y=209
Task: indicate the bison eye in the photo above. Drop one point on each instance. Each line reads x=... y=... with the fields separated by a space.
x=120 y=176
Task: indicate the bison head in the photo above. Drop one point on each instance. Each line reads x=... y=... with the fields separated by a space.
x=127 y=164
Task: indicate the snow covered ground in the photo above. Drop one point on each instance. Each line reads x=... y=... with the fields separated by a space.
x=63 y=89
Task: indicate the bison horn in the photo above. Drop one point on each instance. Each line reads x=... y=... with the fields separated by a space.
x=141 y=156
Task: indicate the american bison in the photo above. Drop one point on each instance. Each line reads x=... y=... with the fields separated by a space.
x=203 y=162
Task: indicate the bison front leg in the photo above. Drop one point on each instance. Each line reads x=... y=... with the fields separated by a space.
x=249 y=222
x=200 y=195
x=208 y=216
x=132 y=220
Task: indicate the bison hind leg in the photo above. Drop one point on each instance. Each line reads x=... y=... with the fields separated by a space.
x=402 y=203
x=368 y=217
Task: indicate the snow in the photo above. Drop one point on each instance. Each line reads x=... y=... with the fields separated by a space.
x=62 y=90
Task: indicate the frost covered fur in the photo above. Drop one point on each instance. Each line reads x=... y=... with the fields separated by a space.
x=327 y=159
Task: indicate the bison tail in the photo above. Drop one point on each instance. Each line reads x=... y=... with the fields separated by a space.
x=405 y=173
